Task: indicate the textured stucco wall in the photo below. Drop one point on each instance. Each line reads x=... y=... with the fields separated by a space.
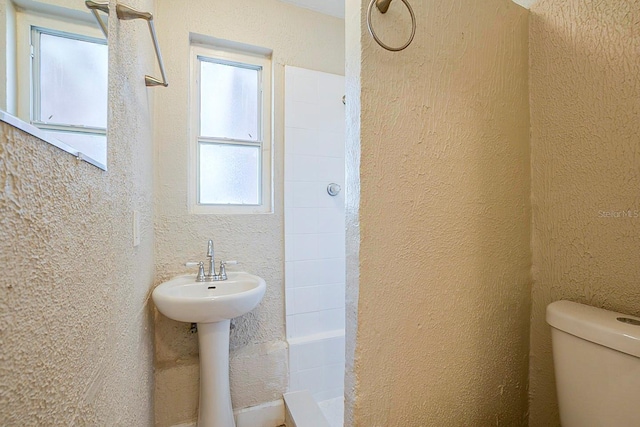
x=585 y=134
x=298 y=37
x=75 y=339
x=444 y=279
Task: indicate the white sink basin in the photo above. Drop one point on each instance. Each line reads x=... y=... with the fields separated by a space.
x=211 y=305
x=185 y=300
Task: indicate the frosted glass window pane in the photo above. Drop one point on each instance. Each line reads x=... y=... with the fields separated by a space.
x=93 y=146
x=229 y=174
x=229 y=101
x=73 y=81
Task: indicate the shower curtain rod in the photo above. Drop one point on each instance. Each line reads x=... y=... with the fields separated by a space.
x=126 y=13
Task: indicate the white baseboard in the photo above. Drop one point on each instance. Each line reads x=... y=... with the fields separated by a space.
x=270 y=414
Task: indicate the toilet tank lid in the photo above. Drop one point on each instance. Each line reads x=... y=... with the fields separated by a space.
x=596 y=325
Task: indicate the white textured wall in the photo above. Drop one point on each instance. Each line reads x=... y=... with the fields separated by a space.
x=75 y=340
x=444 y=283
x=298 y=37
x=585 y=139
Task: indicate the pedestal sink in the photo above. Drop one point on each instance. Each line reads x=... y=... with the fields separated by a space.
x=211 y=305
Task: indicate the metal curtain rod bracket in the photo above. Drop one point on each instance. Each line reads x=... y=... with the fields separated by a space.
x=126 y=13
x=383 y=7
x=94 y=7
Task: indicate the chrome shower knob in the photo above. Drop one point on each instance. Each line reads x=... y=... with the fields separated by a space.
x=333 y=189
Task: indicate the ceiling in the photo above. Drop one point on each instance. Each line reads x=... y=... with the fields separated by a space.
x=328 y=7
x=336 y=7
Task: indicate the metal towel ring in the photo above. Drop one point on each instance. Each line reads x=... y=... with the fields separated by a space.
x=383 y=9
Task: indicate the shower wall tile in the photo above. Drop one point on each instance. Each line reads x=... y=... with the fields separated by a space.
x=332 y=270
x=290 y=323
x=305 y=247
x=314 y=231
x=306 y=168
x=305 y=89
x=331 y=245
x=305 y=142
x=317 y=298
x=318 y=366
x=332 y=143
x=318 y=322
x=329 y=220
x=288 y=195
x=289 y=301
x=306 y=273
x=325 y=382
x=305 y=194
x=305 y=220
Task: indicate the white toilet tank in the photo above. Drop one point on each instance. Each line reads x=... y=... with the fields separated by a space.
x=597 y=365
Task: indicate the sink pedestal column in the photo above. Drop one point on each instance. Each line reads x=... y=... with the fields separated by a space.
x=215 y=408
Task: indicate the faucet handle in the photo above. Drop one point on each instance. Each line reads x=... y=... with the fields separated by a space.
x=200 y=276
x=223 y=270
x=200 y=265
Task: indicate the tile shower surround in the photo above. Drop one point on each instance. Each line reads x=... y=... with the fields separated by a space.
x=314 y=231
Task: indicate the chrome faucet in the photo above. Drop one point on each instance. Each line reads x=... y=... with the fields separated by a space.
x=212 y=276
x=212 y=263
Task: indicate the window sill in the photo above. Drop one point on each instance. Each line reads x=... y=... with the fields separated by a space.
x=229 y=210
x=40 y=134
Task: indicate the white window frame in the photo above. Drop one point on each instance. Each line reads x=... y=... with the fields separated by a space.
x=27 y=21
x=265 y=122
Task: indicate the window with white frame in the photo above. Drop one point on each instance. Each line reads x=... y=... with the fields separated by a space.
x=231 y=132
x=65 y=93
x=69 y=89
